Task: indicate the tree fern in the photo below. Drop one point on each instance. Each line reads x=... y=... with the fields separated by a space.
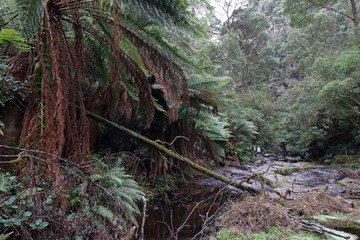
x=206 y=91
x=77 y=41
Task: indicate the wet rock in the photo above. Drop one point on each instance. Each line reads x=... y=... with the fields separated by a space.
x=328 y=161
x=331 y=181
x=293 y=159
x=246 y=167
x=306 y=177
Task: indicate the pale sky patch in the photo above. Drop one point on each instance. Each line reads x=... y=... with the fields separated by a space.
x=224 y=8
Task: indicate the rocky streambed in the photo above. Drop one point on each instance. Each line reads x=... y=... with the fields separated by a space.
x=196 y=203
x=291 y=177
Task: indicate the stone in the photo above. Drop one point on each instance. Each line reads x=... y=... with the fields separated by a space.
x=293 y=159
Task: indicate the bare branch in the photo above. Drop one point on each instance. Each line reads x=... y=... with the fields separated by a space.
x=331 y=9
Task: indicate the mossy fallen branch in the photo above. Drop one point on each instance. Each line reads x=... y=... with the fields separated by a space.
x=172 y=154
x=287 y=171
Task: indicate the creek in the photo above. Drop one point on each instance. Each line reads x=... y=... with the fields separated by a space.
x=193 y=206
x=183 y=218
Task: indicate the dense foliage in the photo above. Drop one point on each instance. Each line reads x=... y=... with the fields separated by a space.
x=301 y=84
x=273 y=73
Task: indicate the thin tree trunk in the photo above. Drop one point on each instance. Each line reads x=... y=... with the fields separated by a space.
x=356 y=21
x=172 y=154
x=244 y=76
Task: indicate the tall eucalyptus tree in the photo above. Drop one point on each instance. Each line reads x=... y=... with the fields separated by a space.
x=302 y=12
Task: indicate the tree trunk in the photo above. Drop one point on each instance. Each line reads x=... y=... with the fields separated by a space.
x=244 y=76
x=356 y=21
x=172 y=154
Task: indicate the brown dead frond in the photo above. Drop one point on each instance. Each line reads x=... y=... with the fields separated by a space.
x=317 y=202
x=257 y=213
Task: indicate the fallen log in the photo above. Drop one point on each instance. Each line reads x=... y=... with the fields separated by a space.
x=172 y=154
x=319 y=229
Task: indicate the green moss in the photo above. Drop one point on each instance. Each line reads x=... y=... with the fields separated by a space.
x=339 y=220
x=353 y=166
x=273 y=233
x=226 y=234
x=265 y=181
x=288 y=171
x=340 y=184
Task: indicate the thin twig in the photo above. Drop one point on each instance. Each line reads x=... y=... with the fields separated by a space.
x=208 y=219
x=187 y=218
x=143 y=219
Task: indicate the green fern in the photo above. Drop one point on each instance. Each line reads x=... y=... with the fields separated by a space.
x=6 y=182
x=12 y=37
x=29 y=16
x=121 y=188
x=207 y=124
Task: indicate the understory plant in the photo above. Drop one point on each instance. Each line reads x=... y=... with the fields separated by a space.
x=272 y=233
x=9 y=87
x=98 y=204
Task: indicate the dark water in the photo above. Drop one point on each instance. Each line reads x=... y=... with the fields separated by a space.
x=354 y=231
x=184 y=217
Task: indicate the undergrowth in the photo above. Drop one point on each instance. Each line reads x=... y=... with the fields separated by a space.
x=102 y=204
x=262 y=217
x=272 y=233
x=339 y=220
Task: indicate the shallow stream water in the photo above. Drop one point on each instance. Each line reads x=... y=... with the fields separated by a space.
x=184 y=217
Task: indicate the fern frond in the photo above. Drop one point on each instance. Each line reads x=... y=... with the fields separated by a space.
x=205 y=81
x=166 y=14
x=207 y=124
x=29 y=13
x=245 y=128
x=121 y=187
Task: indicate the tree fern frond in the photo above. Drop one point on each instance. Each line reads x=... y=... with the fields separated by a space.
x=29 y=13
x=154 y=35
x=207 y=124
x=130 y=88
x=206 y=91
x=245 y=128
x=164 y=13
x=205 y=99
x=205 y=81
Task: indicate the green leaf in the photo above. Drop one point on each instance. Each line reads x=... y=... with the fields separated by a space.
x=38 y=221
x=27 y=214
x=43 y=225
x=10 y=201
x=33 y=226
